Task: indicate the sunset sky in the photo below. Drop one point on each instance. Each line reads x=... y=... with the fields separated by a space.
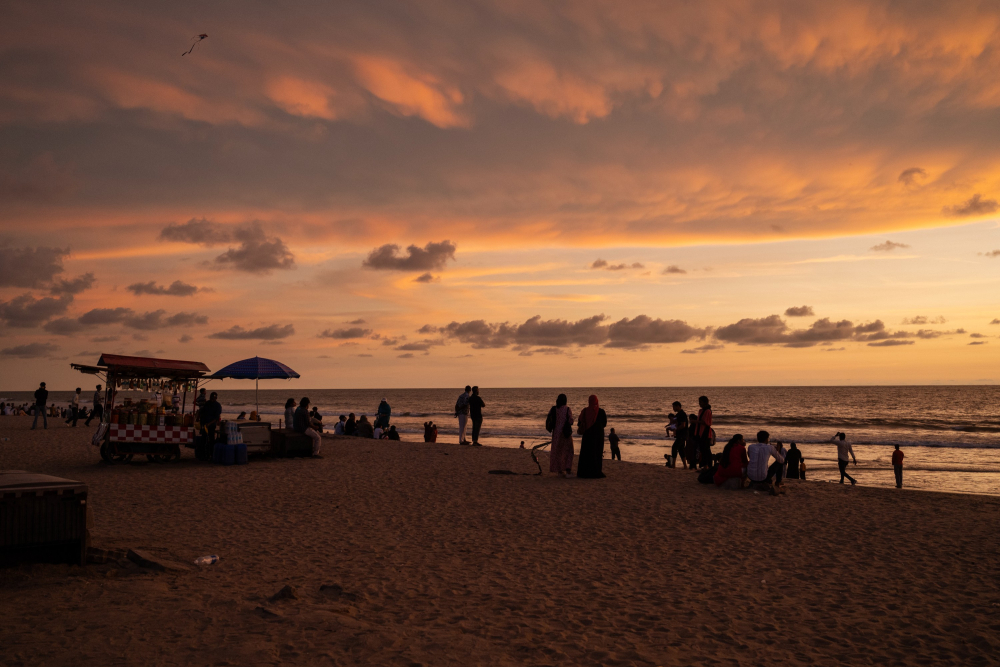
x=392 y=194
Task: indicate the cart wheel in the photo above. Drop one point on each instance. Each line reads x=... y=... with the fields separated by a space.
x=105 y=454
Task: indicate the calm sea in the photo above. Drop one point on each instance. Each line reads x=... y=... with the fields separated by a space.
x=950 y=435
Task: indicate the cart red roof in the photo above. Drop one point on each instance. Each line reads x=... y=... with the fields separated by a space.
x=117 y=360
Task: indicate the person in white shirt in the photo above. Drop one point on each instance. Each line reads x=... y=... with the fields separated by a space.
x=760 y=453
x=338 y=428
x=843 y=450
x=462 y=412
x=74 y=408
x=377 y=433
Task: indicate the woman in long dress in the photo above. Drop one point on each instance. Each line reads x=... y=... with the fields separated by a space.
x=591 y=426
x=561 y=455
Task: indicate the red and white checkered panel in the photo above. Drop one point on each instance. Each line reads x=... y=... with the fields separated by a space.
x=146 y=433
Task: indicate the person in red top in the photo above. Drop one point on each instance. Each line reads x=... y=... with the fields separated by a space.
x=734 y=461
x=897 y=466
x=703 y=433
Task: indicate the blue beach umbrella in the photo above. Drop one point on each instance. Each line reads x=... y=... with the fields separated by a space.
x=255 y=368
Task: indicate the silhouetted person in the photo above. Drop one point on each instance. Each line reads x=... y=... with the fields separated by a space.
x=350 y=426
x=897 y=466
x=98 y=409
x=74 y=408
x=209 y=416
x=462 y=413
x=302 y=423
x=758 y=456
x=680 y=436
x=392 y=434
x=793 y=460
x=41 y=396
x=703 y=432
x=476 y=405
x=430 y=432
x=613 y=441
x=383 y=414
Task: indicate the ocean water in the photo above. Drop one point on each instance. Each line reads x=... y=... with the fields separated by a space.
x=950 y=435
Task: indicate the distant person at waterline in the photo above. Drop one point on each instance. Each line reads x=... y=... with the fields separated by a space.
x=897 y=466
x=462 y=412
x=41 y=396
x=843 y=449
x=681 y=430
x=560 y=424
x=793 y=462
x=383 y=414
x=613 y=441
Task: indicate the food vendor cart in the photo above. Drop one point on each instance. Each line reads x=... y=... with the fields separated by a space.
x=143 y=427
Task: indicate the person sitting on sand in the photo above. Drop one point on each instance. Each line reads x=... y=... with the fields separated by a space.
x=430 y=432
x=392 y=434
x=758 y=455
x=843 y=449
x=338 y=428
x=733 y=461
x=363 y=429
x=350 y=426
x=377 y=434
x=301 y=424
x=613 y=441
x=793 y=461
x=242 y=417
x=316 y=419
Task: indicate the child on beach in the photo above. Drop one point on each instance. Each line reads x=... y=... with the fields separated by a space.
x=897 y=466
x=615 y=452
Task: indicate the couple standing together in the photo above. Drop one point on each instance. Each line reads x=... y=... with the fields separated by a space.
x=590 y=426
x=469 y=404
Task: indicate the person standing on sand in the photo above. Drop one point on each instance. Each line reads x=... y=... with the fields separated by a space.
x=560 y=424
x=383 y=414
x=613 y=441
x=793 y=461
x=680 y=436
x=200 y=401
x=843 y=449
x=591 y=425
x=98 y=409
x=691 y=442
x=703 y=433
x=41 y=396
x=897 y=466
x=74 y=408
x=476 y=405
x=462 y=412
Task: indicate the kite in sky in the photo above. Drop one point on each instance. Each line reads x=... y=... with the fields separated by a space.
x=196 y=38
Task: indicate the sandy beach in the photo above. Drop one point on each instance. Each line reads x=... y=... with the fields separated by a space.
x=412 y=554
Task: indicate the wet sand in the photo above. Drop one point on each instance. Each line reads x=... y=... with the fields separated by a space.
x=429 y=560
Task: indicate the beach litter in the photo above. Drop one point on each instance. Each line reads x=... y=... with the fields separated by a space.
x=206 y=560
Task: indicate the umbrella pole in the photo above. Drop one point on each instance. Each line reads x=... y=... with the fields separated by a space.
x=256 y=399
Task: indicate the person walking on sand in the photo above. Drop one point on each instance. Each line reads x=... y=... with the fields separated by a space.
x=590 y=425
x=843 y=449
x=560 y=424
x=897 y=466
x=98 y=409
x=476 y=405
x=41 y=396
x=302 y=424
x=613 y=441
x=462 y=412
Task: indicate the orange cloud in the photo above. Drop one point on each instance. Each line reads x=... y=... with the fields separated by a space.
x=411 y=93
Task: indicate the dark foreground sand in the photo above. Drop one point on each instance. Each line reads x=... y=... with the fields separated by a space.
x=442 y=564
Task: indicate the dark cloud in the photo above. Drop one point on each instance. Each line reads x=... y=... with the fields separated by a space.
x=427 y=329
x=357 y=321
x=799 y=311
x=995 y=320
x=422 y=346
x=105 y=339
x=424 y=278
x=185 y=339
x=198 y=231
x=702 y=349
x=406 y=355
x=257 y=252
x=345 y=334
x=599 y=264
x=978 y=335
x=99 y=316
x=992 y=253
x=270 y=332
x=27 y=311
x=978 y=342
x=673 y=268
x=176 y=288
x=64 y=326
x=910 y=176
x=29 y=267
x=923 y=319
x=147 y=321
x=975 y=205
x=888 y=246
x=432 y=256
x=890 y=343
x=75 y=286
x=30 y=351
x=643 y=330
x=602 y=264
x=772 y=330
x=185 y=319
